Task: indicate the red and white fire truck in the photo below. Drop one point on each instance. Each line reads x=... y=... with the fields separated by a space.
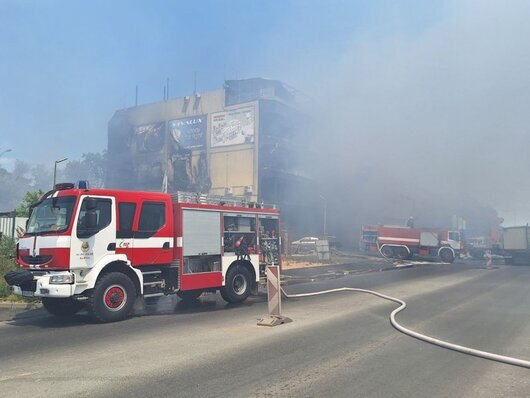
x=404 y=242
x=368 y=241
x=102 y=249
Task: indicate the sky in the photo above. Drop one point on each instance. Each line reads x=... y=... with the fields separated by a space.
x=68 y=65
x=435 y=91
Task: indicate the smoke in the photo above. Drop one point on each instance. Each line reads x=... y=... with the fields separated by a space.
x=416 y=108
x=430 y=123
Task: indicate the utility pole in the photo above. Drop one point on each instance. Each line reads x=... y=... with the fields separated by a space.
x=55 y=170
x=325 y=216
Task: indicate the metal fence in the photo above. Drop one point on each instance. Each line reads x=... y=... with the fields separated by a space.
x=9 y=223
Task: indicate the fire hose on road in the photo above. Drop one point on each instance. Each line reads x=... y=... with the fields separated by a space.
x=441 y=343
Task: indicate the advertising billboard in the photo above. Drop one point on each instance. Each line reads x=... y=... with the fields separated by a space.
x=233 y=127
x=189 y=132
x=149 y=137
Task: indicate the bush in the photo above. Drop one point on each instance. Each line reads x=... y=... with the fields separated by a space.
x=7 y=247
x=7 y=263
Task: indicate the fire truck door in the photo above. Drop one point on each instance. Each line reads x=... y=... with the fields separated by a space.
x=124 y=235
x=153 y=238
x=94 y=232
x=453 y=237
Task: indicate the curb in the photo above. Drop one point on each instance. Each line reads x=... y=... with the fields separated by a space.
x=342 y=264
x=19 y=306
x=10 y=311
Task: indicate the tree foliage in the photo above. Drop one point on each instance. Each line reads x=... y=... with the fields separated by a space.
x=13 y=185
x=24 y=178
x=91 y=167
x=7 y=262
x=29 y=200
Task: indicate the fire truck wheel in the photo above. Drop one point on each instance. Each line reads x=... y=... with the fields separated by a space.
x=189 y=295
x=447 y=256
x=387 y=251
x=402 y=253
x=238 y=284
x=62 y=306
x=113 y=297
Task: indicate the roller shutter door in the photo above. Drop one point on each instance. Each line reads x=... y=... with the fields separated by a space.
x=202 y=232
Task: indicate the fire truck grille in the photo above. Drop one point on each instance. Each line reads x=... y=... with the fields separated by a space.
x=36 y=259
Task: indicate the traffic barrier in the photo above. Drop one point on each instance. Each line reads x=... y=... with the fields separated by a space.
x=274 y=297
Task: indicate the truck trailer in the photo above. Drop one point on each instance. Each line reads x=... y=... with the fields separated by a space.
x=516 y=245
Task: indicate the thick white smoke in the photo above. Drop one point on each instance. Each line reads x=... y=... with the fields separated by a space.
x=429 y=122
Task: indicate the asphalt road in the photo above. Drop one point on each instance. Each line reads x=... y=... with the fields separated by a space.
x=339 y=345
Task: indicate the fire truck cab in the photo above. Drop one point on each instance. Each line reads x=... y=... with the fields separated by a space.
x=102 y=249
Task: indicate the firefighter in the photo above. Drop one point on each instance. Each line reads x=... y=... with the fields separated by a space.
x=489 y=259
x=241 y=248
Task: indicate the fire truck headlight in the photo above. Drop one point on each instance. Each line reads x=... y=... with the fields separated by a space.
x=62 y=279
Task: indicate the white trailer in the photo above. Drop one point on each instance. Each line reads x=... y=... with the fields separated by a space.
x=516 y=245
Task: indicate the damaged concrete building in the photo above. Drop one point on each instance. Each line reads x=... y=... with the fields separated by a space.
x=245 y=139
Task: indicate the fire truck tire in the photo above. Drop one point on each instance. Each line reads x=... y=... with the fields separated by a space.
x=113 y=298
x=189 y=295
x=238 y=284
x=62 y=306
x=387 y=251
x=447 y=256
x=401 y=253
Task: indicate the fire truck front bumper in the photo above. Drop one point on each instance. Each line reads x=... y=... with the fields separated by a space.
x=54 y=284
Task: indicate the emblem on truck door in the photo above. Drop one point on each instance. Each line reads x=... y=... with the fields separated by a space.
x=84 y=247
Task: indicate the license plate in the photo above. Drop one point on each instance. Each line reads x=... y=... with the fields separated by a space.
x=28 y=294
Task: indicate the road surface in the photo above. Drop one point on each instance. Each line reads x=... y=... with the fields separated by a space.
x=339 y=345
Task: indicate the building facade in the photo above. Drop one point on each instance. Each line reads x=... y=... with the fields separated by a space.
x=245 y=139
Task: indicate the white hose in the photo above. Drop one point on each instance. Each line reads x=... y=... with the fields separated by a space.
x=428 y=339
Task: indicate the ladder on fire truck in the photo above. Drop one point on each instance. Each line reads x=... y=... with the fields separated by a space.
x=218 y=200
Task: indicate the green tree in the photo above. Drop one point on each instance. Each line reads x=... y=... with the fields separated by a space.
x=24 y=178
x=29 y=200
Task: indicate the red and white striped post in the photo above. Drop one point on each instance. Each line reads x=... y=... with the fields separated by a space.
x=274 y=295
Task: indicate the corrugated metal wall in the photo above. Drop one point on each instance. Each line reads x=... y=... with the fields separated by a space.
x=9 y=223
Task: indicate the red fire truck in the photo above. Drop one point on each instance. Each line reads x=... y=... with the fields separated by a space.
x=368 y=241
x=404 y=242
x=102 y=249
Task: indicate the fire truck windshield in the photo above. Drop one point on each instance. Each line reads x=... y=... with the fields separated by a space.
x=51 y=215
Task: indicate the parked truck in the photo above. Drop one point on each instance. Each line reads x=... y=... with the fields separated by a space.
x=103 y=249
x=405 y=242
x=516 y=245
